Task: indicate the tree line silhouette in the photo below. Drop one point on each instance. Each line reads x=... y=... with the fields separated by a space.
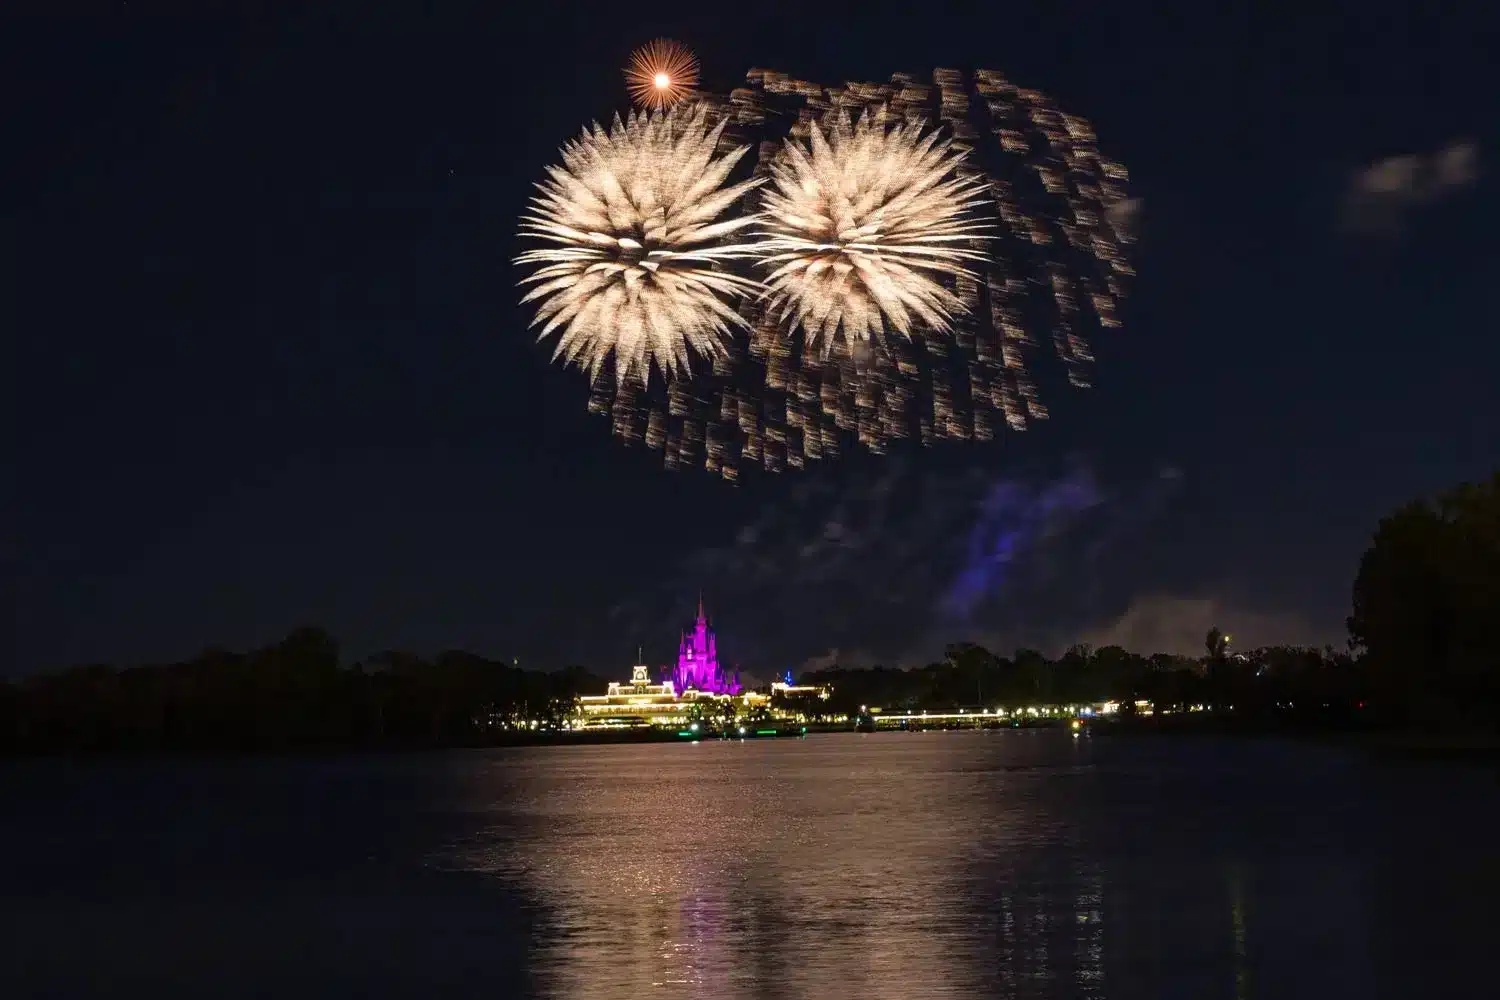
x=1424 y=651
x=293 y=695
x=1283 y=681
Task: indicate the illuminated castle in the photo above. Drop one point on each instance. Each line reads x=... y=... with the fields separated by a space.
x=698 y=662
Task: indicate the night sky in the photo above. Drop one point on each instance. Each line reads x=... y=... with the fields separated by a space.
x=264 y=363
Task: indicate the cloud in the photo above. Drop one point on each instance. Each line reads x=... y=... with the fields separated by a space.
x=1165 y=624
x=835 y=656
x=1382 y=195
x=1012 y=520
x=1158 y=623
x=888 y=562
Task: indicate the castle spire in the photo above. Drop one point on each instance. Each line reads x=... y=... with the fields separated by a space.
x=639 y=656
x=700 y=602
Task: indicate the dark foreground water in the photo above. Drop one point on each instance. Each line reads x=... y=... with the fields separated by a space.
x=1013 y=864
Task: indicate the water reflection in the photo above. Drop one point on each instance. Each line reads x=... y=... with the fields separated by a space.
x=1237 y=917
x=933 y=865
x=938 y=865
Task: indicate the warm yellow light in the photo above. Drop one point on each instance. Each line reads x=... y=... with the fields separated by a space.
x=661 y=73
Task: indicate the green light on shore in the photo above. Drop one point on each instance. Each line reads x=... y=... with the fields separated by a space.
x=684 y=732
x=765 y=732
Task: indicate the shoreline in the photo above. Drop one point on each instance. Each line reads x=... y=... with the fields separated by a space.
x=1456 y=746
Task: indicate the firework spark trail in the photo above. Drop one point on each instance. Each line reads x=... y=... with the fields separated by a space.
x=634 y=270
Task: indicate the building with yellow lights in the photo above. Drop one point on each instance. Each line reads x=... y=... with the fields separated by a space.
x=636 y=703
x=695 y=687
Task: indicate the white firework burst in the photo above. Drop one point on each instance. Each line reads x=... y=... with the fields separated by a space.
x=635 y=265
x=863 y=225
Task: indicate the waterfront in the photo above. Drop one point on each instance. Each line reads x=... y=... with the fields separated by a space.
x=1010 y=863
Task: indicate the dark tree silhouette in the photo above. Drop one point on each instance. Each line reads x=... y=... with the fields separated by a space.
x=290 y=695
x=1426 y=607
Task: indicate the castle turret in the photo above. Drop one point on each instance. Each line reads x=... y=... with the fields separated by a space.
x=698 y=660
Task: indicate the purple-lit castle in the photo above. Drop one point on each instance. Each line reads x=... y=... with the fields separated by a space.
x=698 y=662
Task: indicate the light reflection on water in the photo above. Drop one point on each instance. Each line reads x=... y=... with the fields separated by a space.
x=777 y=868
x=1008 y=864
x=943 y=864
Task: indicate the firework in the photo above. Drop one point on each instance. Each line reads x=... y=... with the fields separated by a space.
x=634 y=270
x=864 y=222
x=916 y=240
x=1053 y=262
x=661 y=74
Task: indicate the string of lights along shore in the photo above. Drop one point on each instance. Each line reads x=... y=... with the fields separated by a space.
x=768 y=277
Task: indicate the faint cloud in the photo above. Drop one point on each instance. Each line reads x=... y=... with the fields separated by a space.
x=1012 y=519
x=1124 y=215
x=836 y=657
x=1165 y=624
x=1158 y=624
x=866 y=564
x=1382 y=195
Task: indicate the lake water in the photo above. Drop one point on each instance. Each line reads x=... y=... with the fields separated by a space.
x=1010 y=864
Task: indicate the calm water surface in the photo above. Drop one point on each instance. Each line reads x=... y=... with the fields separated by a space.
x=1013 y=864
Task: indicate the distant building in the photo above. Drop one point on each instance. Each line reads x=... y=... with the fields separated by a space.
x=638 y=703
x=696 y=682
x=698 y=662
x=790 y=690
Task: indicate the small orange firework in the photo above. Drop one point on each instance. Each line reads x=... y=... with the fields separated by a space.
x=661 y=73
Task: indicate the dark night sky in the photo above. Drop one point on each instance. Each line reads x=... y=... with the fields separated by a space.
x=263 y=361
